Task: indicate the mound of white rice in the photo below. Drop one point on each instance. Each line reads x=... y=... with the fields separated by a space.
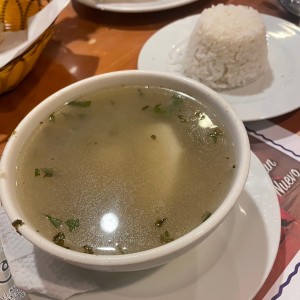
x=227 y=48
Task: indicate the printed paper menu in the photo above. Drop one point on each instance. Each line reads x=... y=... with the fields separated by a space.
x=284 y=171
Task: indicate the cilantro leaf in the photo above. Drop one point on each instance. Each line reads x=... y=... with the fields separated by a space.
x=215 y=134
x=176 y=100
x=73 y=224
x=54 y=221
x=37 y=172
x=17 y=223
x=160 y=222
x=59 y=239
x=157 y=108
x=88 y=249
x=52 y=117
x=80 y=103
x=48 y=172
x=165 y=237
x=206 y=215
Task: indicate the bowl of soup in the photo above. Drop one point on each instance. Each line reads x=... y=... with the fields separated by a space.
x=124 y=171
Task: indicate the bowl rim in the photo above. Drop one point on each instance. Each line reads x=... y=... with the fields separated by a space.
x=154 y=256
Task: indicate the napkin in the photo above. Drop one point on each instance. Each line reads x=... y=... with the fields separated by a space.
x=16 y=42
x=36 y=271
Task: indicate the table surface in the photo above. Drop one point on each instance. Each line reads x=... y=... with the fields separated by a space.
x=87 y=42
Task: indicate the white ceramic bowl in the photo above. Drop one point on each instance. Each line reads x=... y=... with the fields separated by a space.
x=149 y=258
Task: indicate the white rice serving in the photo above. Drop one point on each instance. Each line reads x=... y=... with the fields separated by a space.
x=227 y=48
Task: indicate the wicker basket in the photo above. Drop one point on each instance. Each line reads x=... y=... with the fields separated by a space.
x=14 y=15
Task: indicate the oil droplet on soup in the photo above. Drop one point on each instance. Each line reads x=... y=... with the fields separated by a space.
x=125 y=170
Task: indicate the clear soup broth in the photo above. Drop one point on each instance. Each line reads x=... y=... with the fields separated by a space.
x=125 y=170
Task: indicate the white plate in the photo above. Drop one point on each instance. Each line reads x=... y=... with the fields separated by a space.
x=127 y=6
x=277 y=93
x=233 y=264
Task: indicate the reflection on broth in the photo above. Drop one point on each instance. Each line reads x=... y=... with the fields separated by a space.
x=124 y=170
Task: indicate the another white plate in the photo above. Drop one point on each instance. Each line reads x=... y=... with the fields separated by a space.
x=277 y=93
x=233 y=263
x=127 y=6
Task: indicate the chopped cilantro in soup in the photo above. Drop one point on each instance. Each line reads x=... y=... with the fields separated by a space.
x=125 y=170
